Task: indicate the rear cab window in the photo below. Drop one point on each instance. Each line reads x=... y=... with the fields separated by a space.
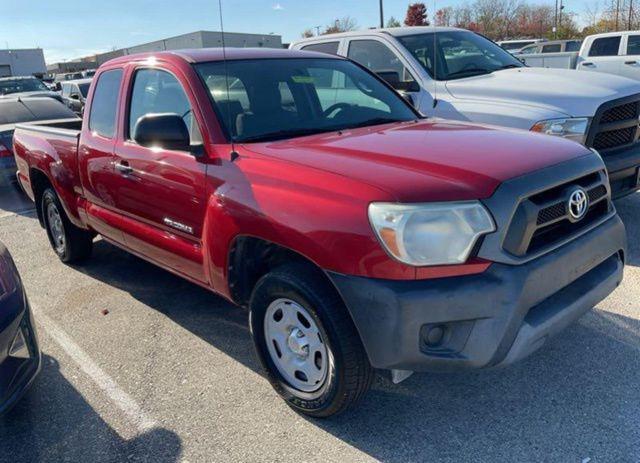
x=553 y=48
x=325 y=47
x=104 y=105
x=633 y=45
x=605 y=46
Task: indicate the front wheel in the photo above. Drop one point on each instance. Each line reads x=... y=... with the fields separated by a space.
x=307 y=342
x=70 y=243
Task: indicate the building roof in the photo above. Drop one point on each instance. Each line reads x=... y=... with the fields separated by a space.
x=201 y=55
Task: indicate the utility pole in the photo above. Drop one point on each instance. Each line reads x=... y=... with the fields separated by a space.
x=617 y=13
x=555 y=22
x=560 y=16
x=630 y=14
x=381 y=15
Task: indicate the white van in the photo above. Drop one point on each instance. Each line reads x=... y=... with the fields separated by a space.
x=458 y=74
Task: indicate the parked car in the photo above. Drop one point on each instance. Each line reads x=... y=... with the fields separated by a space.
x=613 y=52
x=514 y=46
x=19 y=352
x=74 y=94
x=477 y=81
x=358 y=234
x=553 y=46
x=25 y=87
x=14 y=111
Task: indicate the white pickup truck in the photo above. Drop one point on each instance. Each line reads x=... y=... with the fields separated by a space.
x=473 y=79
x=613 y=52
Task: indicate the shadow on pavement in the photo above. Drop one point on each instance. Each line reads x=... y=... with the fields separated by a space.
x=13 y=201
x=53 y=423
x=577 y=398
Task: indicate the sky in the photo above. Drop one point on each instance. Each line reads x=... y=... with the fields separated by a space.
x=68 y=29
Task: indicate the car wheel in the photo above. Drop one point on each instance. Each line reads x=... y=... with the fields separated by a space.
x=307 y=342
x=70 y=243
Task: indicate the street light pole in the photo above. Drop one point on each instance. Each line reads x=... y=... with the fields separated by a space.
x=381 y=15
x=555 y=22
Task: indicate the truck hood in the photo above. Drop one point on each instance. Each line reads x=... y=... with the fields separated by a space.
x=572 y=93
x=429 y=160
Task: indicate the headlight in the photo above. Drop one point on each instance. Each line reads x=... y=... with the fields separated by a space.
x=431 y=233
x=572 y=128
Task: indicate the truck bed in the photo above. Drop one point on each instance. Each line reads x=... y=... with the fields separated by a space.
x=49 y=148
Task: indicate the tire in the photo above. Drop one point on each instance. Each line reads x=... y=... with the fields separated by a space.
x=342 y=372
x=70 y=243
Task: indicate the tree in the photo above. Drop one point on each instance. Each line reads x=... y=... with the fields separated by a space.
x=416 y=15
x=393 y=22
x=443 y=16
x=345 y=24
x=307 y=33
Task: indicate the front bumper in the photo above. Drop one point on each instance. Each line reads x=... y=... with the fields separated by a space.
x=490 y=319
x=622 y=167
x=19 y=352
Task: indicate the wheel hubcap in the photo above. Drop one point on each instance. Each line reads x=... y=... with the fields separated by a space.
x=55 y=227
x=295 y=345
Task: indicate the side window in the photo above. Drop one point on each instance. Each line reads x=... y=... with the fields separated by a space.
x=380 y=59
x=633 y=45
x=65 y=90
x=574 y=45
x=74 y=90
x=157 y=91
x=326 y=47
x=605 y=46
x=102 y=118
x=554 y=48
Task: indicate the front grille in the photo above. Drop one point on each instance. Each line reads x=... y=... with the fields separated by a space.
x=543 y=218
x=615 y=125
x=614 y=138
x=620 y=113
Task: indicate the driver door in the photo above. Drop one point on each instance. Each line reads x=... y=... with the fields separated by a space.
x=161 y=192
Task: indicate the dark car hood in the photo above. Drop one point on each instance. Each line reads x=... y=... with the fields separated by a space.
x=38 y=93
x=434 y=160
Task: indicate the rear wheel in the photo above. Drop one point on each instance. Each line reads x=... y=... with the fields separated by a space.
x=307 y=342
x=70 y=243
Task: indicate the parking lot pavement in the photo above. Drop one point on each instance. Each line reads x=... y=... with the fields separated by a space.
x=168 y=374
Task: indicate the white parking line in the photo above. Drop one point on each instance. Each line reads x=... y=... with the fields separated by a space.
x=120 y=398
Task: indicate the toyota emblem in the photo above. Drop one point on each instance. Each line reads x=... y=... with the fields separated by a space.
x=578 y=204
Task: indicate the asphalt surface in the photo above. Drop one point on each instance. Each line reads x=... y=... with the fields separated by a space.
x=169 y=374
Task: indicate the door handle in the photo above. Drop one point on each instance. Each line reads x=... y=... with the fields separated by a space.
x=631 y=62
x=587 y=63
x=124 y=168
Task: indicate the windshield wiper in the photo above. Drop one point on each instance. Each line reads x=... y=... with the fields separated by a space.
x=281 y=134
x=508 y=66
x=374 y=121
x=469 y=73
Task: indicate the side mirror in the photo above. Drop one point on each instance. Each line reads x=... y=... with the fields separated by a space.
x=166 y=130
x=74 y=96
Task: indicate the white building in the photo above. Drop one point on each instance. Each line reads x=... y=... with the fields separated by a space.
x=22 y=62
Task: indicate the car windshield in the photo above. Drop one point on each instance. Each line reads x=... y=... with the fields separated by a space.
x=458 y=54
x=84 y=89
x=9 y=86
x=261 y=100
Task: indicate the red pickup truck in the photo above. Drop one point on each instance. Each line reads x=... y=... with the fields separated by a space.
x=360 y=235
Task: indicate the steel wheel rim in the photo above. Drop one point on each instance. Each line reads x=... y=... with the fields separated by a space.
x=296 y=345
x=56 y=228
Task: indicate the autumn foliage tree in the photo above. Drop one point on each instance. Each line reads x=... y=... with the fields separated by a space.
x=416 y=15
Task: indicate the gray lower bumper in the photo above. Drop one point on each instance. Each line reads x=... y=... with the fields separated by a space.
x=489 y=319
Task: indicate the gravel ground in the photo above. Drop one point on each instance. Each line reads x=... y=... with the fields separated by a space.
x=168 y=374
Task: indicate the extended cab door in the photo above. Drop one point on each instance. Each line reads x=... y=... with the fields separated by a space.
x=95 y=155
x=603 y=55
x=630 y=66
x=161 y=192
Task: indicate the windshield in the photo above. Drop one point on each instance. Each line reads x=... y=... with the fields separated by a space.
x=458 y=54
x=283 y=98
x=21 y=85
x=84 y=89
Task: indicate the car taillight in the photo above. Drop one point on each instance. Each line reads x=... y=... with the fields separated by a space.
x=5 y=152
